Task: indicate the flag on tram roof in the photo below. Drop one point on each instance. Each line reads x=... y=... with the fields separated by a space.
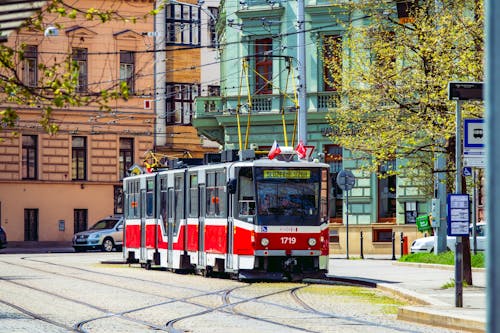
x=275 y=150
x=301 y=150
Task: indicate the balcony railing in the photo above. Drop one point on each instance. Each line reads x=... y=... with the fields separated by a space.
x=208 y=106
x=326 y=100
x=253 y=3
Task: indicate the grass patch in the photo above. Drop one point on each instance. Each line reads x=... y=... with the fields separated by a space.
x=445 y=258
x=451 y=284
x=360 y=294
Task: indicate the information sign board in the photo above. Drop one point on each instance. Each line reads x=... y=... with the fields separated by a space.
x=465 y=91
x=458 y=215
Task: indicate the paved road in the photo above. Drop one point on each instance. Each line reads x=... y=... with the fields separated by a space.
x=62 y=292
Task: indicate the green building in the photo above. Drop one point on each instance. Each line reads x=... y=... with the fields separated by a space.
x=258 y=104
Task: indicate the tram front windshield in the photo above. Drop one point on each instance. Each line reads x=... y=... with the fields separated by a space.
x=288 y=196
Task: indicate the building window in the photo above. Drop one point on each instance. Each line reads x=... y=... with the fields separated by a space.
x=333 y=156
x=30 y=66
x=126 y=157
x=263 y=66
x=333 y=236
x=31 y=225
x=411 y=212
x=387 y=193
x=180 y=102
x=183 y=25
x=80 y=60
x=212 y=21
x=213 y=90
x=382 y=235
x=332 y=60
x=118 y=199
x=79 y=158
x=29 y=159
x=127 y=69
x=80 y=217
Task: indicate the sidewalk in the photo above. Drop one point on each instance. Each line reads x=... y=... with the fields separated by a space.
x=421 y=283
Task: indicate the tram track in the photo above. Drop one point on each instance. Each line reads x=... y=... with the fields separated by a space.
x=230 y=303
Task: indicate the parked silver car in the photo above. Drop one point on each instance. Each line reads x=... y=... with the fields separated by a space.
x=105 y=235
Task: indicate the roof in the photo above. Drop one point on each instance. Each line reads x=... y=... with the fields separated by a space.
x=13 y=13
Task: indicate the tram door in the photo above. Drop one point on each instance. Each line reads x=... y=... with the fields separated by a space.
x=142 y=208
x=230 y=241
x=170 y=226
x=230 y=231
x=201 y=226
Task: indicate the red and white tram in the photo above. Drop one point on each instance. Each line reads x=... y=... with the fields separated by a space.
x=257 y=218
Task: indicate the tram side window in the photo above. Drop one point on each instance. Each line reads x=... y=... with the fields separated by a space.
x=164 y=203
x=246 y=193
x=193 y=195
x=216 y=196
x=133 y=199
x=150 y=198
x=179 y=202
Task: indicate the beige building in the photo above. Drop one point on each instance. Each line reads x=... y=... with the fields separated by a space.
x=52 y=186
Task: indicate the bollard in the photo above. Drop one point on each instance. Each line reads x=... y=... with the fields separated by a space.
x=401 y=236
x=393 y=246
x=361 y=244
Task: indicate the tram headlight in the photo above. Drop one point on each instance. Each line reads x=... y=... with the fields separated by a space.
x=311 y=241
x=264 y=241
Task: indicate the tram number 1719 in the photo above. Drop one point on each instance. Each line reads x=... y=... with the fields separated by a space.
x=288 y=240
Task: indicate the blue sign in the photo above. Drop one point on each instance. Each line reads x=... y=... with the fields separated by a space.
x=458 y=215
x=467 y=171
x=473 y=133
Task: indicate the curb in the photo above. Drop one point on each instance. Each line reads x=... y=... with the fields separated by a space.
x=430 y=311
x=440 y=318
x=435 y=266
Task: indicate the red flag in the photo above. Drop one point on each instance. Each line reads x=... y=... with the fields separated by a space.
x=275 y=150
x=301 y=150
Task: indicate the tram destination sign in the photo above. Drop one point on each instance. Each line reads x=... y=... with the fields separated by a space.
x=287 y=173
x=465 y=91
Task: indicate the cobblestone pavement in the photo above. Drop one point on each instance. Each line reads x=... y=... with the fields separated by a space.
x=63 y=292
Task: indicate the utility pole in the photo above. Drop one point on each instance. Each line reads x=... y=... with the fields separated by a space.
x=301 y=63
x=160 y=70
x=492 y=126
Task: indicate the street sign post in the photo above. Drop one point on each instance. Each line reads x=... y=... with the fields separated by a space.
x=459 y=92
x=346 y=180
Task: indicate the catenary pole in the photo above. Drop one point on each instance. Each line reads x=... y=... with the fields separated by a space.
x=459 y=263
x=492 y=126
x=301 y=63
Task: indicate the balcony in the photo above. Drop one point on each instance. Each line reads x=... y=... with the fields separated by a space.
x=326 y=100
x=261 y=104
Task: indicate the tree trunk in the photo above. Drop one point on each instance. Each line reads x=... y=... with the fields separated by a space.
x=466 y=246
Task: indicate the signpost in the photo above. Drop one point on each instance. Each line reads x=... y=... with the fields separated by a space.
x=459 y=92
x=345 y=180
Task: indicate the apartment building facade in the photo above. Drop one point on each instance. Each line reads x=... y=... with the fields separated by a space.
x=258 y=104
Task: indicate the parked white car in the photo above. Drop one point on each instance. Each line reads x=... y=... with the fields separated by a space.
x=426 y=244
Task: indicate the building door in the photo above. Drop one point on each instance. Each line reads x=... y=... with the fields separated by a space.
x=31 y=225
x=80 y=220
